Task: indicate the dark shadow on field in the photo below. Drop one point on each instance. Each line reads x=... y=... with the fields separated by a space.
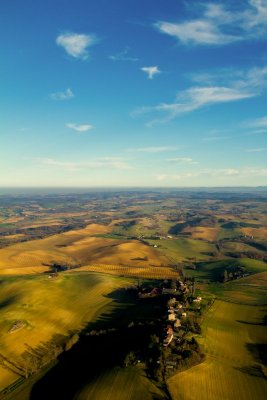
x=8 y=301
x=252 y=370
x=102 y=346
x=259 y=351
x=262 y=323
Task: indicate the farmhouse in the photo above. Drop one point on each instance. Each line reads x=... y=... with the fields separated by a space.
x=168 y=338
x=171 y=317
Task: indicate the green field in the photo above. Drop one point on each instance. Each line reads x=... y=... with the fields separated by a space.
x=49 y=309
x=234 y=341
x=184 y=249
x=213 y=270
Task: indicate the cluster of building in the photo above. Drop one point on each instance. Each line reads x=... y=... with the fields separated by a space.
x=176 y=315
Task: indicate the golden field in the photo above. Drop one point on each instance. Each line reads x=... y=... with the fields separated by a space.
x=80 y=247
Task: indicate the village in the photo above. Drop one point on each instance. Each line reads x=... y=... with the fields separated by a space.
x=178 y=347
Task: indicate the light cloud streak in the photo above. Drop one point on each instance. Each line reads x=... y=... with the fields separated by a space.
x=220 y=25
x=226 y=175
x=66 y=95
x=123 y=56
x=79 y=128
x=257 y=123
x=153 y=149
x=76 y=44
x=105 y=162
x=182 y=160
x=256 y=150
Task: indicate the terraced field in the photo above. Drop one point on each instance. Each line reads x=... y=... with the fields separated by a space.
x=134 y=272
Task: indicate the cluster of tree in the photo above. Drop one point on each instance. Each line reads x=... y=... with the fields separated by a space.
x=248 y=254
x=126 y=224
x=182 y=356
x=39 y=232
x=56 y=267
x=33 y=359
x=193 y=222
x=233 y=272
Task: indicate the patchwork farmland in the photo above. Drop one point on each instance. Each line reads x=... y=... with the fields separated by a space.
x=63 y=262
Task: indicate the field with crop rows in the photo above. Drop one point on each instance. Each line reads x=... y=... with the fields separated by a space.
x=233 y=338
x=121 y=384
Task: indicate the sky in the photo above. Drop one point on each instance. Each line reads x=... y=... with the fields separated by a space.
x=143 y=93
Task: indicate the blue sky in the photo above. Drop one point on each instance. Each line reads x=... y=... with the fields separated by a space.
x=133 y=93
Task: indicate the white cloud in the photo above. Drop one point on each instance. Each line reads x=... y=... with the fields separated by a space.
x=79 y=128
x=225 y=87
x=105 y=162
x=224 y=172
x=153 y=149
x=218 y=25
x=76 y=44
x=67 y=95
x=151 y=71
x=161 y=177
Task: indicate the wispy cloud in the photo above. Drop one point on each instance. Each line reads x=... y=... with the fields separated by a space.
x=196 y=32
x=123 y=56
x=66 y=95
x=105 y=162
x=153 y=149
x=182 y=160
x=237 y=85
x=76 y=44
x=151 y=71
x=80 y=128
x=214 y=173
x=257 y=123
x=220 y=25
x=225 y=175
x=256 y=150
x=195 y=98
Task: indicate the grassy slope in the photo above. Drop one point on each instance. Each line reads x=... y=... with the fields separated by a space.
x=184 y=249
x=230 y=334
x=49 y=307
x=214 y=270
